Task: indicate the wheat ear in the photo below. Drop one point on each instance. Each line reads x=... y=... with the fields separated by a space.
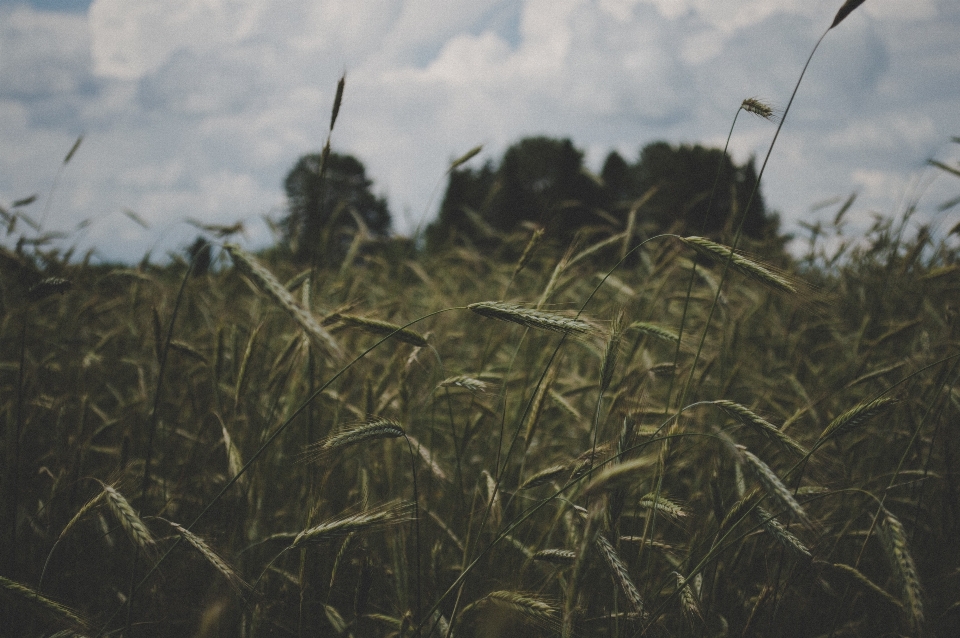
x=51 y=608
x=894 y=538
x=370 y=430
x=238 y=584
x=529 y=608
x=131 y=523
x=773 y=485
x=530 y=318
x=558 y=556
x=751 y=268
x=855 y=417
x=619 y=571
x=377 y=518
x=769 y=430
x=269 y=285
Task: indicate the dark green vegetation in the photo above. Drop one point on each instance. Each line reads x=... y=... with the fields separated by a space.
x=627 y=436
x=556 y=481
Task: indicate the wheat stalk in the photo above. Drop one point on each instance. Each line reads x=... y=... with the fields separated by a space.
x=757 y=107
x=269 y=285
x=57 y=611
x=558 y=556
x=663 y=505
x=535 y=239
x=773 y=485
x=465 y=382
x=894 y=538
x=545 y=476
x=654 y=330
x=619 y=571
x=689 y=599
x=856 y=417
x=235 y=580
x=377 y=518
x=428 y=458
x=769 y=430
x=612 y=351
x=781 y=533
x=370 y=430
x=617 y=476
x=529 y=608
x=131 y=523
x=753 y=269
x=530 y=318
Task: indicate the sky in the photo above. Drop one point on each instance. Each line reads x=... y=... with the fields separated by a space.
x=197 y=109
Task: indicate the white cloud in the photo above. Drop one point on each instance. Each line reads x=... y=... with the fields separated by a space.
x=197 y=108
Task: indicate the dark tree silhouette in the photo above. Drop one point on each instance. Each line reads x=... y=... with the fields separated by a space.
x=685 y=176
x=540 y=180
x=543 y=181
x=326 y=211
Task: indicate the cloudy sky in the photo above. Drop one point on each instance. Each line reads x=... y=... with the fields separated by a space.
x=198 y=108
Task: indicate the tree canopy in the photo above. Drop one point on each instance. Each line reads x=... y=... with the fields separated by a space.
x=544 y=181
x=326 y=211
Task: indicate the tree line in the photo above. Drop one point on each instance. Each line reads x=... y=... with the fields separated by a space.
x=541 y=182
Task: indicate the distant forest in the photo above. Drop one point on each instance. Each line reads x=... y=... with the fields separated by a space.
x=539 y=182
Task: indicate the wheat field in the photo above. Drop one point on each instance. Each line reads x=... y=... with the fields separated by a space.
x=628 y=436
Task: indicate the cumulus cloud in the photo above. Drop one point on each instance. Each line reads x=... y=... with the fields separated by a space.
x=197 y=108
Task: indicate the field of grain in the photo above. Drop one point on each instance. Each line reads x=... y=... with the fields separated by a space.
x=626 y=436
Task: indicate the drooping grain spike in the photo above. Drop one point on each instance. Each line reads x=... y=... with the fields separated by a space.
x=620 y=573
x=228 y=572
x=744 y=265
x=136 y=530
x=856 y=416
x=463 y=159
x=764 y=427
x=370 y=430
x=268 y=284
x=530 y=318
x=373 y=519
x=774 y=486
x=896 y=544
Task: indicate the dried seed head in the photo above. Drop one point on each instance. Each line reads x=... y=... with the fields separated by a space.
x=239 y=585
x=131 y=523
x=530 y=318
x=378 y=518
x=895 y=541
x=370 y=430
x=769 y=430
x=755 y=106
x=745 y=266
x=857 y=416
x=619 y=571
x=773 y=485
x=467 y=383
x=463 y=159
x=269 y=285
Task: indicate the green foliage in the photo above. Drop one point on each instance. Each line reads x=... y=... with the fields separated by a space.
x=494 y=402
x=542 y=181
x=325 y=211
